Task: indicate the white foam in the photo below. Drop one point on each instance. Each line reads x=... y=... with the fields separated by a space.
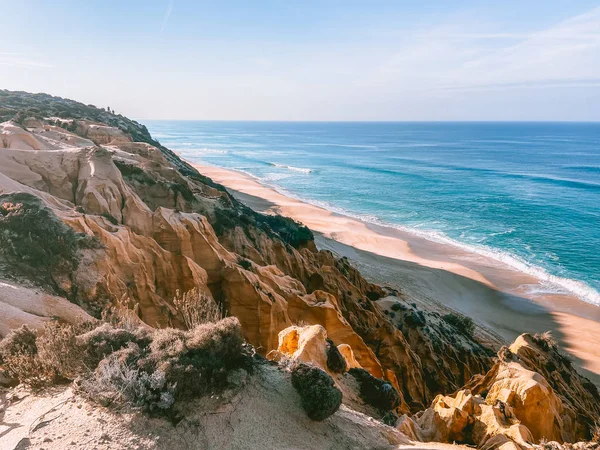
x=548 y=283
x=204 y=151
x=325 y=144
x=295 y=169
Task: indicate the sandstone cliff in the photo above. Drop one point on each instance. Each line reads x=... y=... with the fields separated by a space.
x=531 y=395
x=142 y=224
x=164 y=227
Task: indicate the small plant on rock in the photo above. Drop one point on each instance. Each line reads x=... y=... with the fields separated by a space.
x=375 y=391
x=462 y=323
x=335 y=360
x=320 y=397
x=545 y=340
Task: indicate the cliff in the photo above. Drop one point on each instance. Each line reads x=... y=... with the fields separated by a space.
x=114 y=218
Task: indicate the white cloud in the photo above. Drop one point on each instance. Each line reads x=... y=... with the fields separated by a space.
x=453 y=57
x=167 y=15
x=20 y=60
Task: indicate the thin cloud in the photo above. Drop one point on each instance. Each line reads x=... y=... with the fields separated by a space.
x=556 y=84
x=20 y=60
x=167 y=15
x=454 y=57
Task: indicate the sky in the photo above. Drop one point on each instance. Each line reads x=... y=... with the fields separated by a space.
x=310 y=60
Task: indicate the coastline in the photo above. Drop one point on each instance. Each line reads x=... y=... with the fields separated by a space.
x=436 y=274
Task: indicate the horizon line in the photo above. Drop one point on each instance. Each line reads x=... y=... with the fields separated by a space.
x=369 y=121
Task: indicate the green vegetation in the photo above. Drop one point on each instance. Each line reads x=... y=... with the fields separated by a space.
x=462 y=323
x=134 y=173
x=320 y=398
x=245 y=263
x=285 y=228
x=335 y=361
x=376 y=392
x=290 y=231
x=36 y=244
x=112 y=219
x=20 y=105
x=183 y=190
x=415 y=319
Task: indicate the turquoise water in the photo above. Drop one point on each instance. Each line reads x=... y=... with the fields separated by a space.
x=526 y=194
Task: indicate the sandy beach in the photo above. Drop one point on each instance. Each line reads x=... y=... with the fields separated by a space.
x=438 y=275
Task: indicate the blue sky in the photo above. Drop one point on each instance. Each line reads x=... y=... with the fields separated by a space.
x=310 y=60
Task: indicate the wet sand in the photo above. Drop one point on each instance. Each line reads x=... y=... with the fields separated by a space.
x=439 y=275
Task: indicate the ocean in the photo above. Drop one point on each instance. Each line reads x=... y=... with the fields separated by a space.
x=524 y=194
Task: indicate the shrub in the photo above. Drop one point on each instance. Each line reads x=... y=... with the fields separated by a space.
x=415 y=319
x=183 y=190
x=106 y=339
x=59 y=352
x=320 y=398
x=245 y=264
x=462 y=323
x=398 y=306
x=290 y=231
x=18 y=354
x=138 y=368
x=44 y=357
x=116 y=381
x=390 y=418
x=34 y=241
x=335 y=360
x=20 y=340
x=134 y=173
x=121 y=315
x=287 y=229
x=112 y=219
x=545 y=340
x=199 y=359
x=196 y=308
x=596 y=433
x=375 y=391
x=173 y=364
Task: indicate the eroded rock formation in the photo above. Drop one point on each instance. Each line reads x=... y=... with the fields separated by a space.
x=160 y=227
x=524 y=399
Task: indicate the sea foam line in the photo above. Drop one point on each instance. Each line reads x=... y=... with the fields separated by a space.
x=295 y=169
x=580 y=289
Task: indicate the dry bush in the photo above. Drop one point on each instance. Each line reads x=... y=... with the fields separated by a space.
x=106 y=339
x=137 y=368
x=121 y=315
x=173 y=364
x=545 y=340
x=199 y=359
x=196 y=308
x=596 y=433
x=20 y=340
x=118 y=381
x=44 y=357
x=59 y=352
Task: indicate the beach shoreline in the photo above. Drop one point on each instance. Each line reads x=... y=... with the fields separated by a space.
x=435 y=273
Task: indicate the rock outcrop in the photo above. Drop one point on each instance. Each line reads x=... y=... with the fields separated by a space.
x=525 y=398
